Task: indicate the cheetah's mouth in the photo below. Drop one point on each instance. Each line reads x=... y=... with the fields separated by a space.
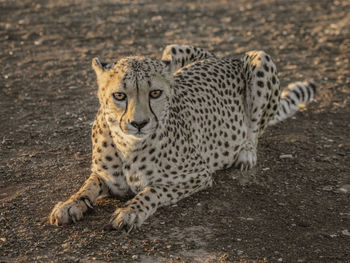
x=138 y=133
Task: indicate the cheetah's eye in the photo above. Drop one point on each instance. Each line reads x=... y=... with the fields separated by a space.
x=154 y=94
x=119 y=96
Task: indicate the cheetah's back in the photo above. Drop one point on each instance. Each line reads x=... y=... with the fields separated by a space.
x=208 y=98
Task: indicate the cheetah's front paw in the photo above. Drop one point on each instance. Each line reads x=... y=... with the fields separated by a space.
x=246 y=158
x=126 y=219
x=69 y=211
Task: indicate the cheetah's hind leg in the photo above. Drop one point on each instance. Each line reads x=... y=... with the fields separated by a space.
x=261 y=102
x=180 y=56
x=246 y=158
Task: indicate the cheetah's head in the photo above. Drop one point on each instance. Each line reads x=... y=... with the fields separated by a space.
x=134 y=93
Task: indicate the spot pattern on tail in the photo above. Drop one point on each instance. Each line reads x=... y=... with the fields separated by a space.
x=292 y=97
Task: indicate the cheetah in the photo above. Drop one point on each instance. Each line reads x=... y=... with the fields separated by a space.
x=165 y=126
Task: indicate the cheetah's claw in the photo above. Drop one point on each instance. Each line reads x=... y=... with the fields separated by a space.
x=68 y=212
x=125 y=219
x=125 y=228
x=246 y=158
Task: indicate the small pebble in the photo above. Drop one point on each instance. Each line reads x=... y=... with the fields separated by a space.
x=286 y=156
x=344 y=189
x=345 y=232
x=66 y=245
x=327 y=188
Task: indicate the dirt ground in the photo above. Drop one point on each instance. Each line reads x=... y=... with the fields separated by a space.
x=293 y=207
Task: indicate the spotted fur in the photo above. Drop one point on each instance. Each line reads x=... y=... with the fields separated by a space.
x=165 y=126
x=292 y=97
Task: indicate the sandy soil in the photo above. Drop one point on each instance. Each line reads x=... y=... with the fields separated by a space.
x=293 y=209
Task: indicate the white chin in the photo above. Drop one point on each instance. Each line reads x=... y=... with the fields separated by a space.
x=140 y=135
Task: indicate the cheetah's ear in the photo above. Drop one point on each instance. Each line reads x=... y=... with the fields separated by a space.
x=100 y=70
x=166 y=62
x=168 y=65
x=97 y=66
x=100 y=67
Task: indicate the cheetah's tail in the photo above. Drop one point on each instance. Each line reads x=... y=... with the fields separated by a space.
x=292 y=97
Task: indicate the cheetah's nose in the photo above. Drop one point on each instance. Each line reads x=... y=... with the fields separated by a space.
x=139 y=124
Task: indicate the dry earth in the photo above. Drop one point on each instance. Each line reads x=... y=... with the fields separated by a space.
x=293 y=209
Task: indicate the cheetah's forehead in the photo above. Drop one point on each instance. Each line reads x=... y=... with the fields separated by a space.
x=135 y=70
x=140 y=66
x=135 y=79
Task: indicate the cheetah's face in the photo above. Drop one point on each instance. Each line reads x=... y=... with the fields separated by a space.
x=135 y=95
